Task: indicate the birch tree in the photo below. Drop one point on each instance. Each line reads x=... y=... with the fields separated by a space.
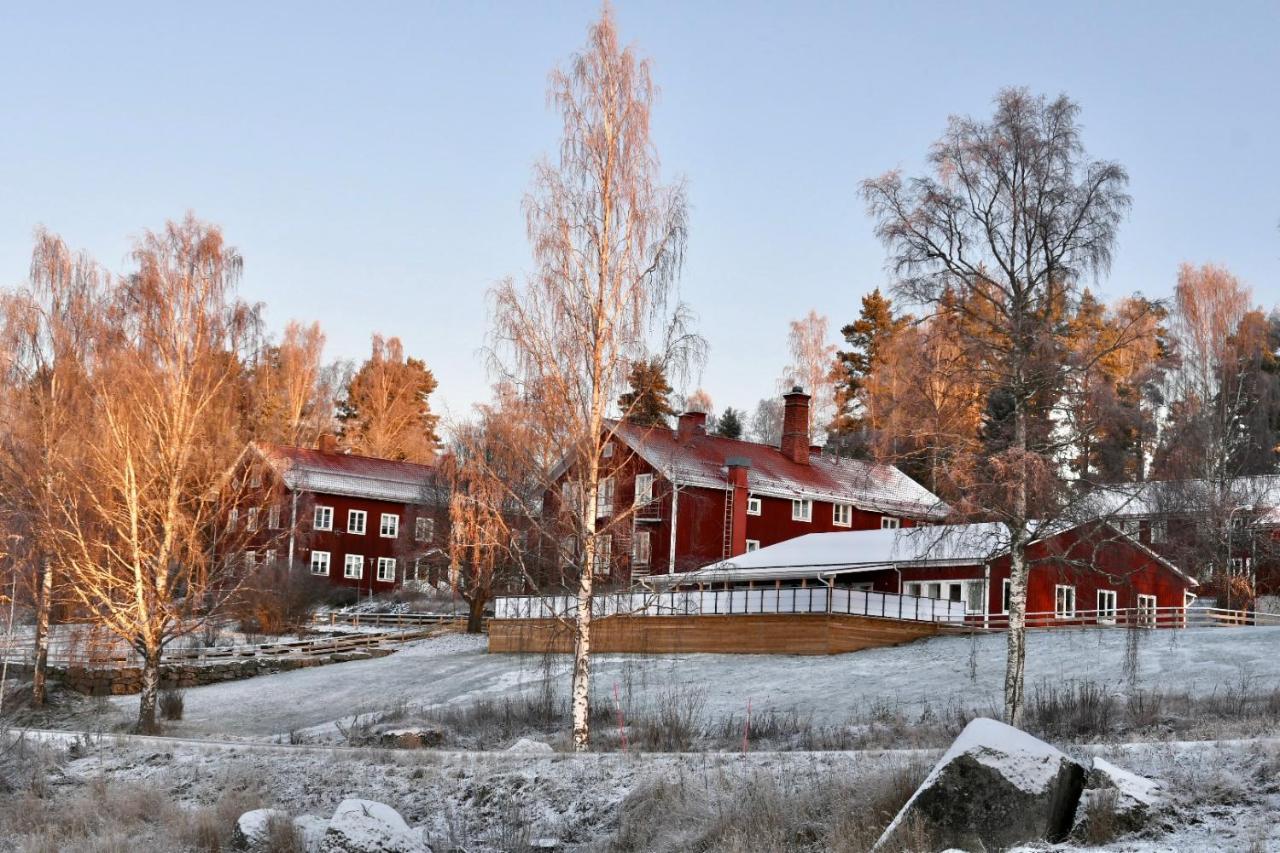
x=608 y=242
x=812 y=358
x=1012 y=217
x=48 y=329
x=291 y=395
x=141 y=505
x=385 y=412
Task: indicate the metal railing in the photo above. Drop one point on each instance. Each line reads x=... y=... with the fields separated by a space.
x=734 y=602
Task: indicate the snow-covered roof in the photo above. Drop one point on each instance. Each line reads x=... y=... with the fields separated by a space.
x=701 y=461
x=1175 y=497
x=351 y=475
x=848 y=552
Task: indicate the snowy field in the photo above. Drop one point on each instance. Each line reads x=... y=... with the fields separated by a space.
x=935 y=674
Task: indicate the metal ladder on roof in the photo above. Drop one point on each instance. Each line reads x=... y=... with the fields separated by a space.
x=727 y=551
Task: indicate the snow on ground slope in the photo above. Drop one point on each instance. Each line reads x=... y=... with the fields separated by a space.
x=936 y=673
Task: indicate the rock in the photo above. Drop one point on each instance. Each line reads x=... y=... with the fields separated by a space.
x=365 y=826
x=1131 y=801
x=312 y=829
x=531 y=746
x=410 y=738
x=250 y=832
x=996 y=787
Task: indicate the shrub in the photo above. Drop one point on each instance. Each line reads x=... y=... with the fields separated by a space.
x=676 y=722
x=278 y=601
x=172 y=702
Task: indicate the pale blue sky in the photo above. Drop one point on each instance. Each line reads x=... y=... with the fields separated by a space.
x=369 y=159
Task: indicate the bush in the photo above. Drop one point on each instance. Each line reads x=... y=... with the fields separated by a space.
x=279 y=601
x=172 y=702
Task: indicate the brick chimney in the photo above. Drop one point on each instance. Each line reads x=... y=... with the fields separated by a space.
x=328 y=443
x=691 y=424
x=795 y=426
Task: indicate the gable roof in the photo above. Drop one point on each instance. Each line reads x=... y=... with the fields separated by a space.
x=701 y=462
x=821 y=555
x=305 y=470
x=1182 y=497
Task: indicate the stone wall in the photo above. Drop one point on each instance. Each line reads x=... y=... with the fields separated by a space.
x=123 y=681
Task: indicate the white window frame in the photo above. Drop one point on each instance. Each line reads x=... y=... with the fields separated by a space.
x=421 y=571
x=1060 y=612
x=603 y=557
x=802 y=510
x=233 y=519
x=753 y=545
x=353 y=563
x=1130 y=527
x=754 y=505
x=387 y=566
x=322 y=518
x=1158 y=530
x=273 y=517
x=1241 y=565
x=568 y=550
x=913 y=588
x=1006 y=595
x=251 y=560
x=604 y=496
x=269 y=556
x=606 y=452
x=389 y=525
x=320 y=560
x=255 y=477
x=1148 y=610
x=842 y=515
x=424 y=528
x=1107 y=599
x=641 y=548
x=643 y=490
x=251 y=518
x=933 y=590
x=357 y=514
x=889 y=522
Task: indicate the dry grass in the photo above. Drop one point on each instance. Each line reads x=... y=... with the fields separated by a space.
x=172 y=702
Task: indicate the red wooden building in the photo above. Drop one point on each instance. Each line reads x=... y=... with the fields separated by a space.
x=673 y=500
x=361 y=522
x=1087 y=573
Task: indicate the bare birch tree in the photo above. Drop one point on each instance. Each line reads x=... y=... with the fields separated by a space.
x=48 y=329
x=1013 y=216
x=140 y=528
x=291 y=394
x=608 y=242
x=812 y=356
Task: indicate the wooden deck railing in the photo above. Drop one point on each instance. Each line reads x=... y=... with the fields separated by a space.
x=388 y=620
x=1133 y=617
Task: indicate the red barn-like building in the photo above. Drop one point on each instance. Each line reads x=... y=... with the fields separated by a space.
x=1084 y=574
x=362 y=522
x=676 y=500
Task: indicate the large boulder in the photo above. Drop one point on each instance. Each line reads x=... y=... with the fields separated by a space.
x=996 y=787
x=1125 y=801
x=365 y=826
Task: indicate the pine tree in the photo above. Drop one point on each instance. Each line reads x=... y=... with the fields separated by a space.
x=648 y=403
x=869 y=338
x=730 y=423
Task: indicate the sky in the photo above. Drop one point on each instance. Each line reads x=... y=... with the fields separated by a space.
x=369 y=160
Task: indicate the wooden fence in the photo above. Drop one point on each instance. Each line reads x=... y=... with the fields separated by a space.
x=1133 y=617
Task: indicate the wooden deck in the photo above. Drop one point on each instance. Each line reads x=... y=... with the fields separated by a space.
x=755 y=634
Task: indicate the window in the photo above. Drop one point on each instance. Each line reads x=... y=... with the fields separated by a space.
x=934 y=590
x=975 y=597
x=569 y=496
x=251 y=518
x=319 y=562
x=390 y=527
x=913 y=589
x=357 y=519
x=323 y=518
x=1147 y=610
x=1237 y=523
x=420 y=569
x=1107 y=606
x=753 y=506
x=644 y=489
x=604 y=554
x=640 y=548
x=424 y=529
x=353 y=566
x=888 y=522
x=255 y=477
x=604 y=497
x=841 y=515
x=1006 y=596
x=273 y=517
x=387 y=569
x=1129 y=527
x=250 y=560
x=1064 y=601
x=233 y=519
x=269 y=556
x=753 y=545
x=1159 y=531
x=955 y=592
x=802 y=510
x=606 y=452
x=1240 y=565
x=568 y=550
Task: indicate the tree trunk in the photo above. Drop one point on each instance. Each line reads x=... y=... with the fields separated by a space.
x=581 y=690
x=150 y=690
x=475 y=614
x=1016 y=660
x=44 y=604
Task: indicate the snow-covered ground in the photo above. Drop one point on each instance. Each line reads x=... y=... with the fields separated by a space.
x=935 y=673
